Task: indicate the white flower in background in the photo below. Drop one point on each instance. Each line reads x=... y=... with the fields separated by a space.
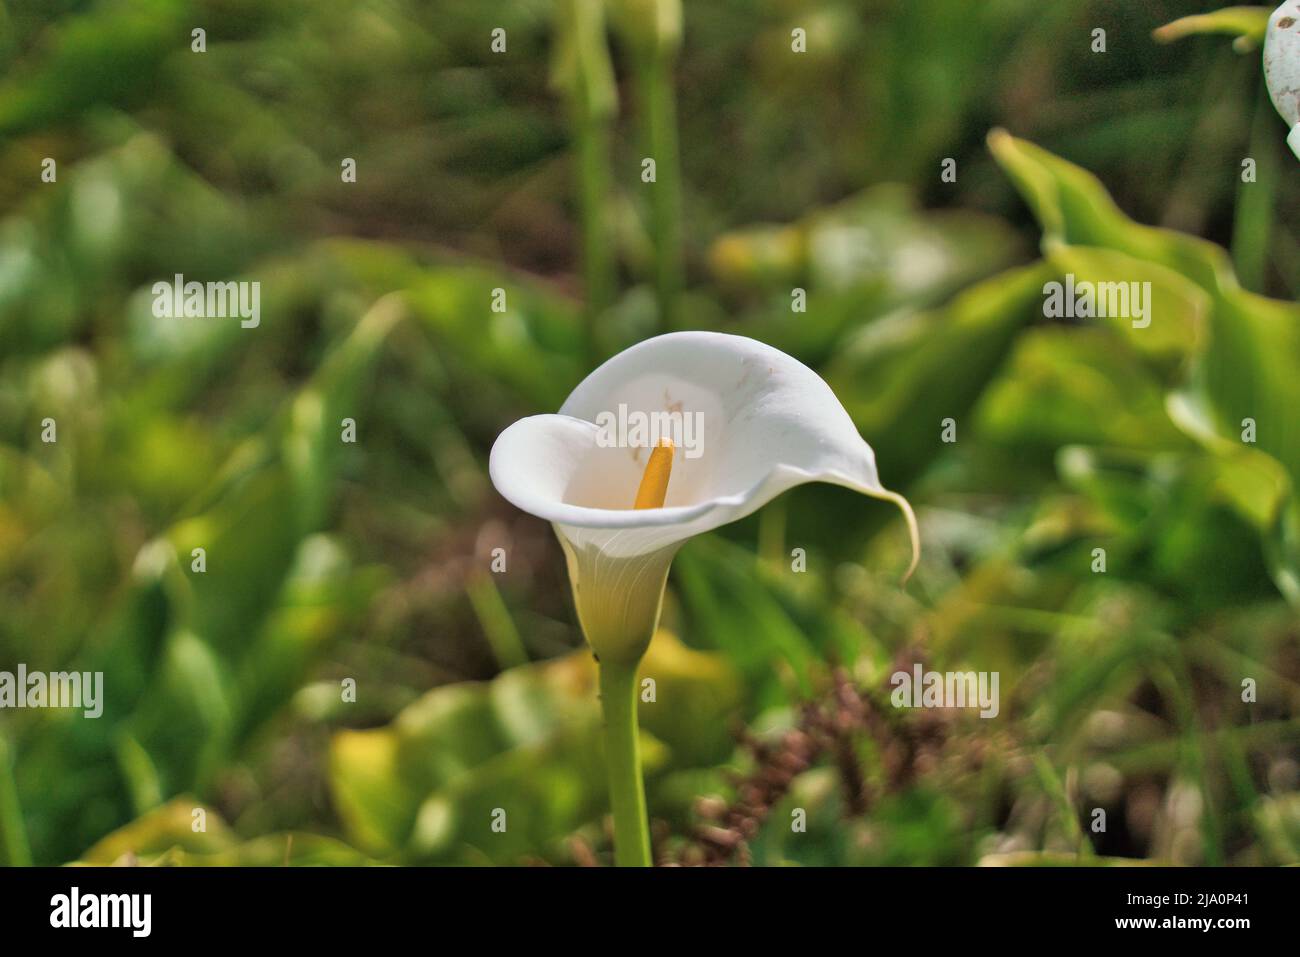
x=770 y=423
x=1282 y=66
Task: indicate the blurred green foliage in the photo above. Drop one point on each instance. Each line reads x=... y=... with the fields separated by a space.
x=328 y=561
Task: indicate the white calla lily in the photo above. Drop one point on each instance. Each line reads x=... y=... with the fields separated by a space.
x=743 y=422
x=768 y=423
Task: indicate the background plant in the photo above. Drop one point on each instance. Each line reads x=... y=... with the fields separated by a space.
x=479 y=171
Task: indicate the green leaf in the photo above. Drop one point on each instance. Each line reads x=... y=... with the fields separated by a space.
x=375 y=804
x=171 y=826
x=902 y=375
x=534 y=346
x=108 y=55
x=167 y=836
x=1070 y=385
x=1242 y=374
x=427 y=785
x=1073 y=207
x=1175 y=313
x=871 y=253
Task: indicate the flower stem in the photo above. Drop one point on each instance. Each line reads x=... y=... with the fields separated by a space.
x=592 y=136
x=660 y=108
x=584 y=76
x=618 y=696
x=1252 y=226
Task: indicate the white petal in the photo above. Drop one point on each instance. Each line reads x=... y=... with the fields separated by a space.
x=769 y=423
x=1282 y=61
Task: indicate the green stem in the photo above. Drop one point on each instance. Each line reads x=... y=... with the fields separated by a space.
x=1252 y=226
x=592 y=139
x=618 y=696
x=498 y=626
x=659 y=106
x=583 y=74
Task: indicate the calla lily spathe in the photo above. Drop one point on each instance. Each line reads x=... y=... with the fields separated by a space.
x=1282 y=66
x=769 y=423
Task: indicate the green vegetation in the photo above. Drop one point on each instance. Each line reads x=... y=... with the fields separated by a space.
x=330 y=562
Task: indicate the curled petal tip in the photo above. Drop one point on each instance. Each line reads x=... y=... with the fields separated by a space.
x=913 y=530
